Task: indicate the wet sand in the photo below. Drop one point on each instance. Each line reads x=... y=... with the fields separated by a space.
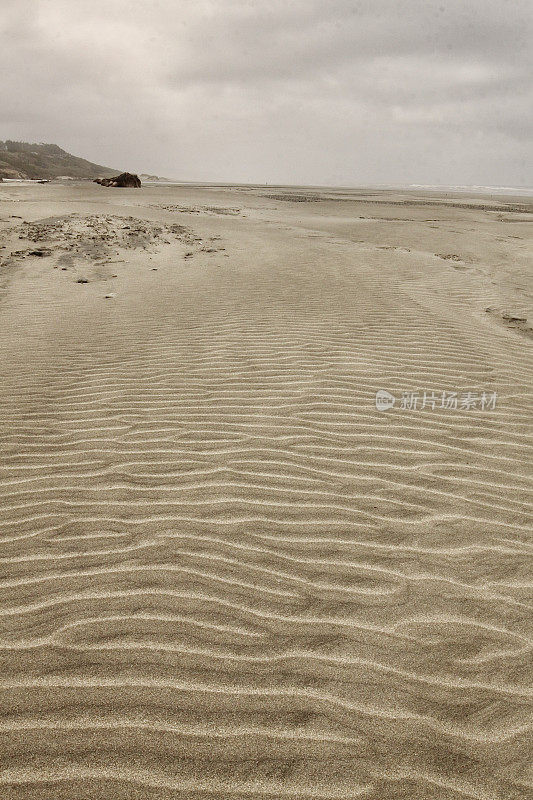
x=224 y=574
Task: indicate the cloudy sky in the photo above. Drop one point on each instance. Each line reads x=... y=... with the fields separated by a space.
x=339 y=92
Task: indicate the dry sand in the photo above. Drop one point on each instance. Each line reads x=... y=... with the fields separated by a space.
x=224 y=573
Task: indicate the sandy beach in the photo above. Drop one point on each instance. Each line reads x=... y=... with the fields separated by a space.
x=224 y=573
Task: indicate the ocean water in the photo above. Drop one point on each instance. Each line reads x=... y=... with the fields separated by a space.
x=513 y=191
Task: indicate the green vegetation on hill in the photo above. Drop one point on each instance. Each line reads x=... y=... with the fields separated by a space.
x=45 y=161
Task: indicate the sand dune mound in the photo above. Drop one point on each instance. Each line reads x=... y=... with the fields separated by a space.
x=99 y=235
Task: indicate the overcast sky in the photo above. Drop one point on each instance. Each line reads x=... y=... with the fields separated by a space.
x=338 y=92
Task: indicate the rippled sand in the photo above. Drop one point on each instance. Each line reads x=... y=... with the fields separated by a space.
x=223 y=573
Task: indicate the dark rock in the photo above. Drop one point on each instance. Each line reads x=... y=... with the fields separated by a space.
x=449 y=256
x=124 y=180
x=513 y=318
x=82 y=280
x=40 y=253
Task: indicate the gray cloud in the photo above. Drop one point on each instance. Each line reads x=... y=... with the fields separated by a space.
x=308 y=91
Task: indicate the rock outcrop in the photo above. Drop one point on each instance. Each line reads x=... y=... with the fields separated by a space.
x=125 y=179
x=145 y=177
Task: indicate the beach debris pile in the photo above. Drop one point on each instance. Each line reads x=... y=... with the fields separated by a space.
x=210 y=210
x=86 y=244
x=97 y=235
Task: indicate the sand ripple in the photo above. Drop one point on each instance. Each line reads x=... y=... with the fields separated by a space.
x=223 y=573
